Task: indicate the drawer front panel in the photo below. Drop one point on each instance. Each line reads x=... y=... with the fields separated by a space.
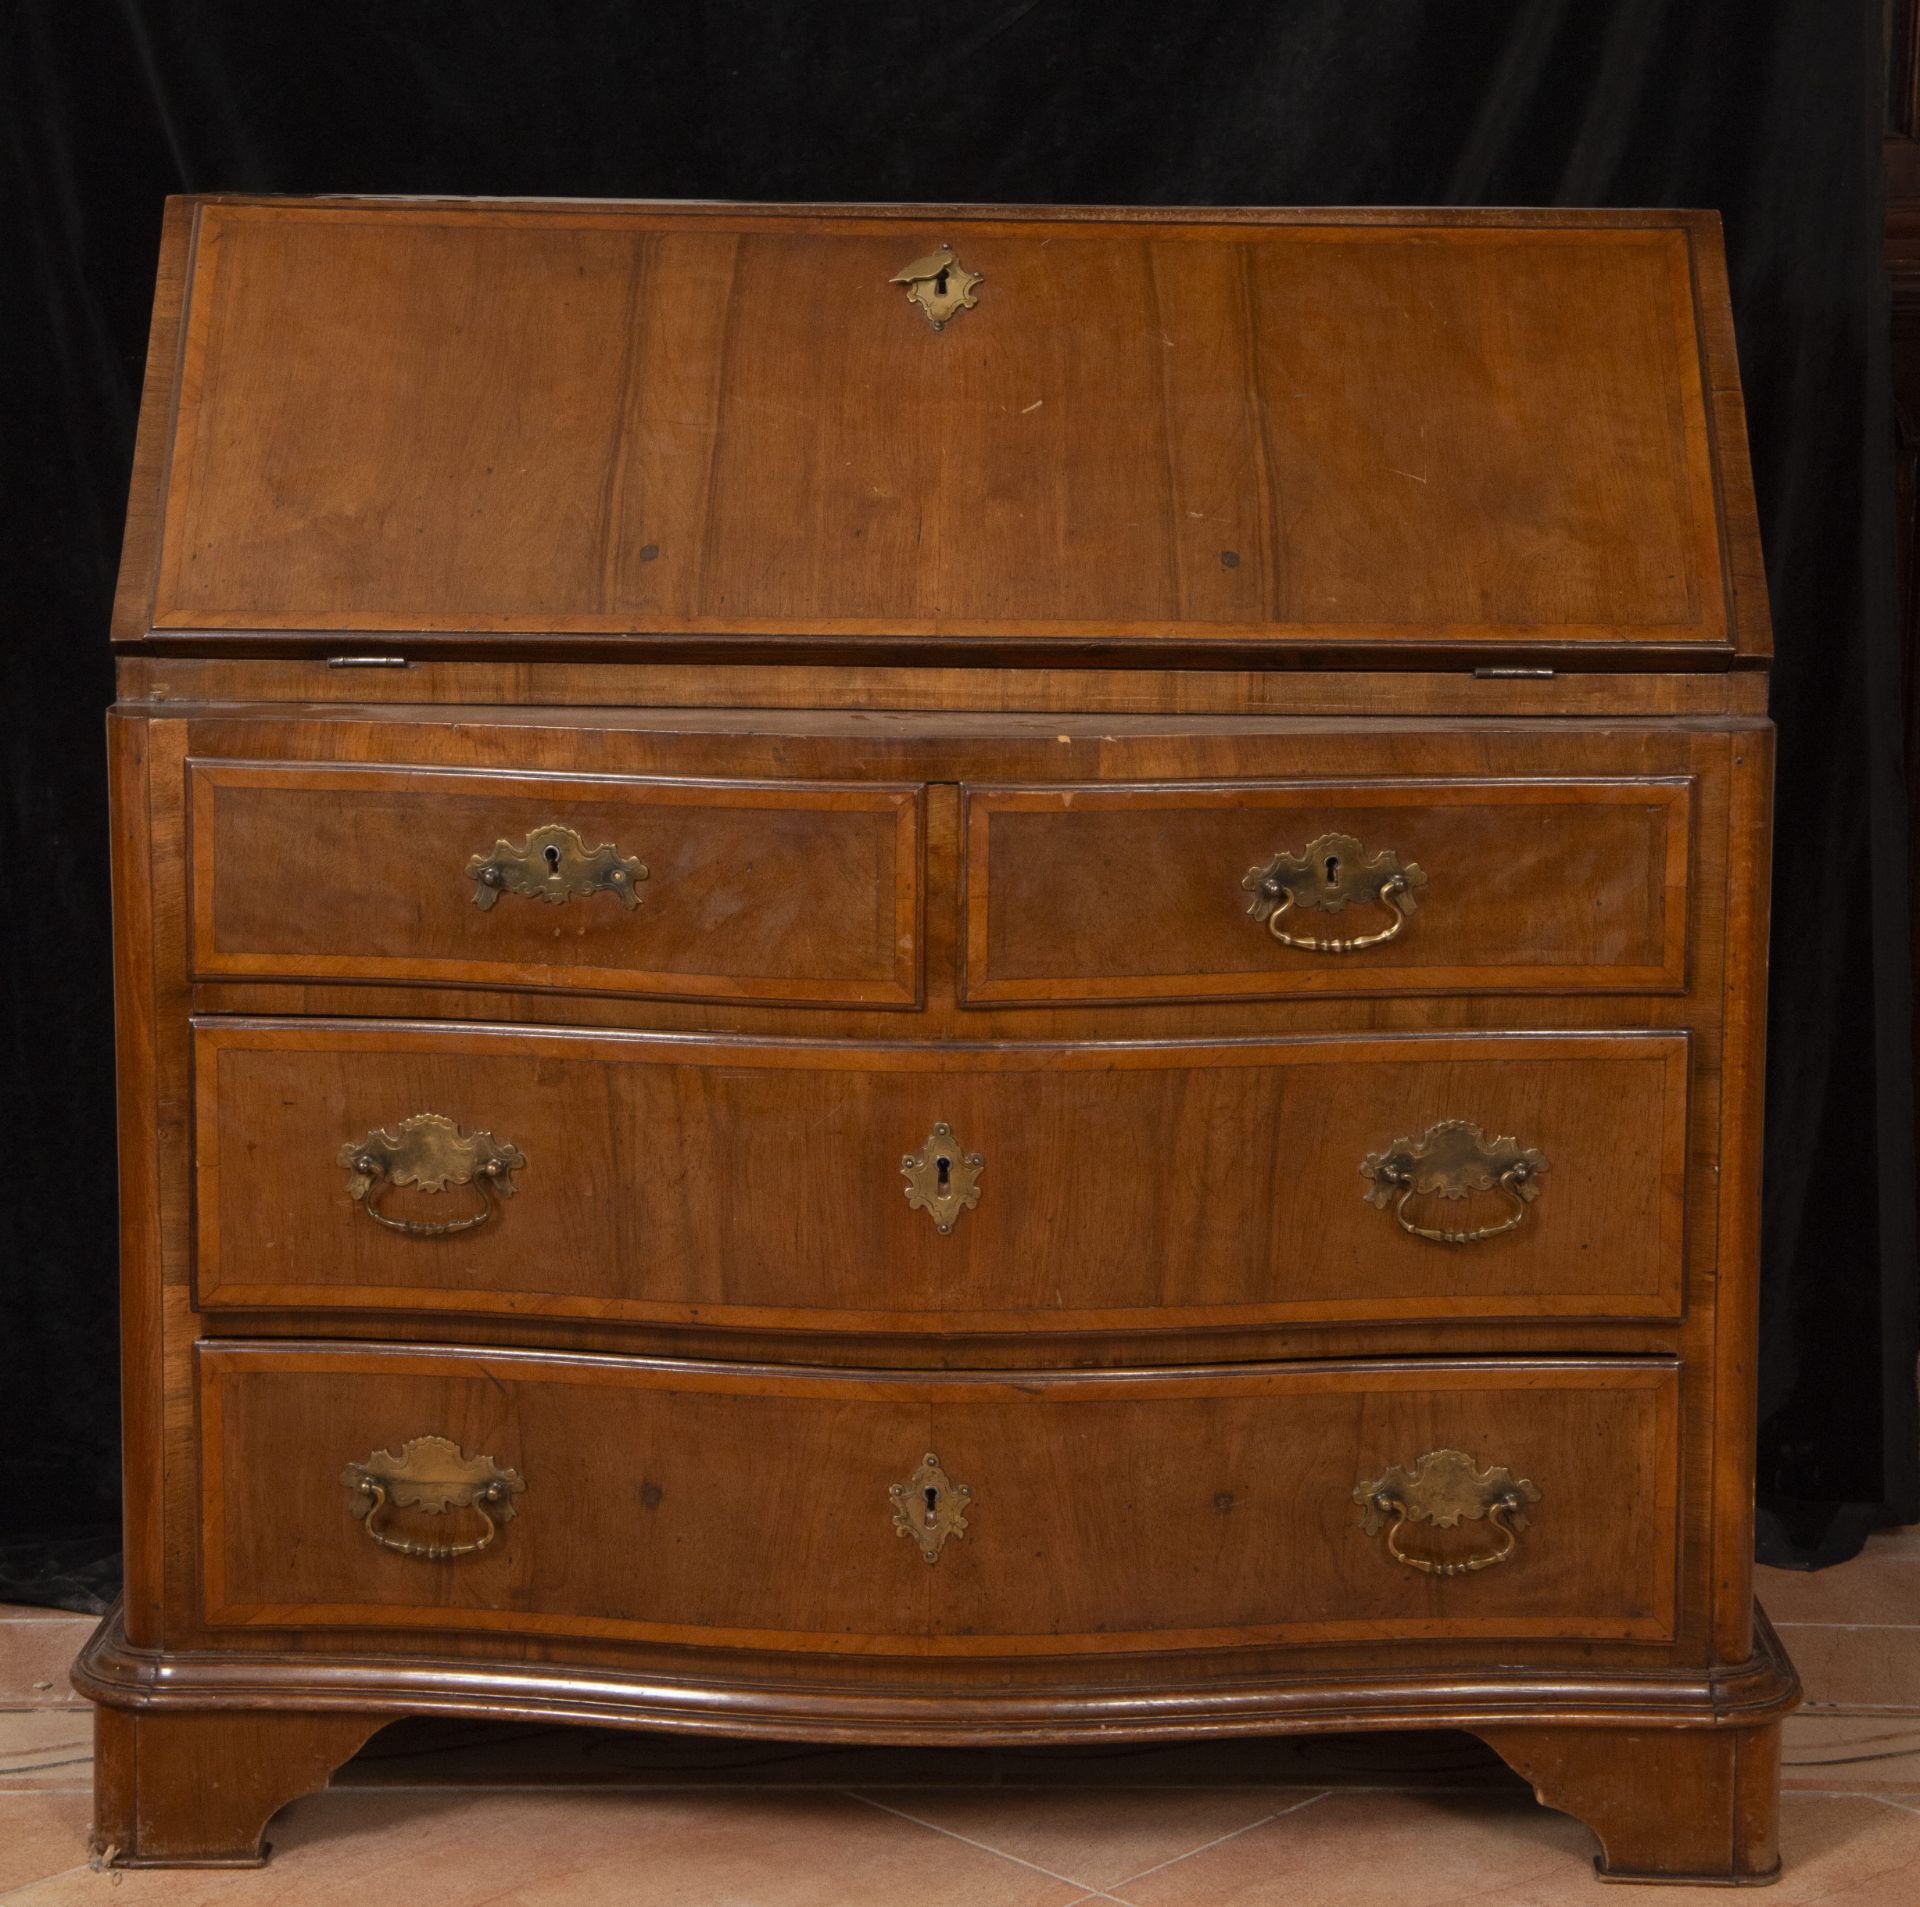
x=767 y=1184
x=805 y=893
x=1143 y=893
x=740 y=1507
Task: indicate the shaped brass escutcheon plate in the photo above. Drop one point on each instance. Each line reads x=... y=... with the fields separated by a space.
x=929 y=1506
x=1450 y=1159
x=553 y=864
x=1446 y=1488
x=436 y=1475
x=1330 y=875
x=940 y=285
x=429 y=1151
x=942 y=1181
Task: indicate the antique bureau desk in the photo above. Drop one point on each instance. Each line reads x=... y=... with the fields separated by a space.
x=941 y=975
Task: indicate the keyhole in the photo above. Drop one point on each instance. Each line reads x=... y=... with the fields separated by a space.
x=933 y=1498
x=940 y=282
x=943 y=1166
x=553 y=858
x=1333 y=869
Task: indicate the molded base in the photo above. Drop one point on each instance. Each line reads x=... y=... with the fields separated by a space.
x=1678 y=1776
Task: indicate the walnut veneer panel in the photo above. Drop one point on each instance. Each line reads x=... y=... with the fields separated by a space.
x=1126 y=1187
x=1135 y=893
x=726 y=1505
x=797 y=892
x=1480 y=432
x=948 y=685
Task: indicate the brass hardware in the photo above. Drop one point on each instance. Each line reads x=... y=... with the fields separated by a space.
x=1443 y=1488
x=429 y=1151
x=1332 y=875
x=435 y=1474
x=1453 y=1157
x=930 y=1507
x=941 y=1179
x=554 y=864
x=940 y=285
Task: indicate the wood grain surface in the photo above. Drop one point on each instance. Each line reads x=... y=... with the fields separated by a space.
x=721 y=1506
x=1480 y=433
x=1128 y=1186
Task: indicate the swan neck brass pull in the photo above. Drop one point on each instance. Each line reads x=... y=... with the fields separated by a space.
x=553 y=864
x=433 y=1474
x=431 y=1152
x=942 y=1180
x=1333 y=874
x=1446 y=1488
x=929 y=1507
x=1450 y=1160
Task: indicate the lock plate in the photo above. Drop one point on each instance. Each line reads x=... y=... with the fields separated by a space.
x=554 y=865
x=940 y=285
x=942 y=1181
x=929 y=1507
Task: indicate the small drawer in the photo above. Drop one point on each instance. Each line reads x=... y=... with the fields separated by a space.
x=933 y=1515
x=1249 y=889
x=800 y=1185
x=803 y=893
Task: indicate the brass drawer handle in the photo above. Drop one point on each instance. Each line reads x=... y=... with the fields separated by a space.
x=435 y=1474
x=1451 y=1159
x=553 y=864
x=429 y=1151
x=929 y=1507
x=1332 y=875
x=1445 y=1488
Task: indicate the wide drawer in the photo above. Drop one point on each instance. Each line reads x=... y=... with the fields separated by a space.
x=787 y=892
x=799 y=1185
x=733 y=1506
x=1248 y=889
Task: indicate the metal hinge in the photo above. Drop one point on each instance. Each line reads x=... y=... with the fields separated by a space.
x=1511 y=675
x=368 y=662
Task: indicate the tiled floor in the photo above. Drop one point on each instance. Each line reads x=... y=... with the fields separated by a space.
x=440 y=1816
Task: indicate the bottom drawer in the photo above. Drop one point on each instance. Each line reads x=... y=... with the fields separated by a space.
x=1138 y=1510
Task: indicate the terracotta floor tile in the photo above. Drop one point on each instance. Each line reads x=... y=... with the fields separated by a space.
x=1861 y=1669
x=1096 y=1837
x=584 y=1849
x=1492 y=1851
x=1852 y=1754
x=43 y=1748
x=36 y=1651
x=1871 y=1588
x=41 y=1834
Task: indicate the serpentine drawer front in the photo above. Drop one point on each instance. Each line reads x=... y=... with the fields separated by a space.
x=788 y=891
x=1387 y=886
x=719 y=1505
x=837 y=1185
x=941 y=975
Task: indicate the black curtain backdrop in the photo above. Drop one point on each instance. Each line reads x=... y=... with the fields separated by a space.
x=1768 y=110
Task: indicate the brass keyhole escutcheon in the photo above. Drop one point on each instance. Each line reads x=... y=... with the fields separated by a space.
x=942 y=1179
x=553 y=864
x=929 y=1507
x=1333 y=873
x=940 y=285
